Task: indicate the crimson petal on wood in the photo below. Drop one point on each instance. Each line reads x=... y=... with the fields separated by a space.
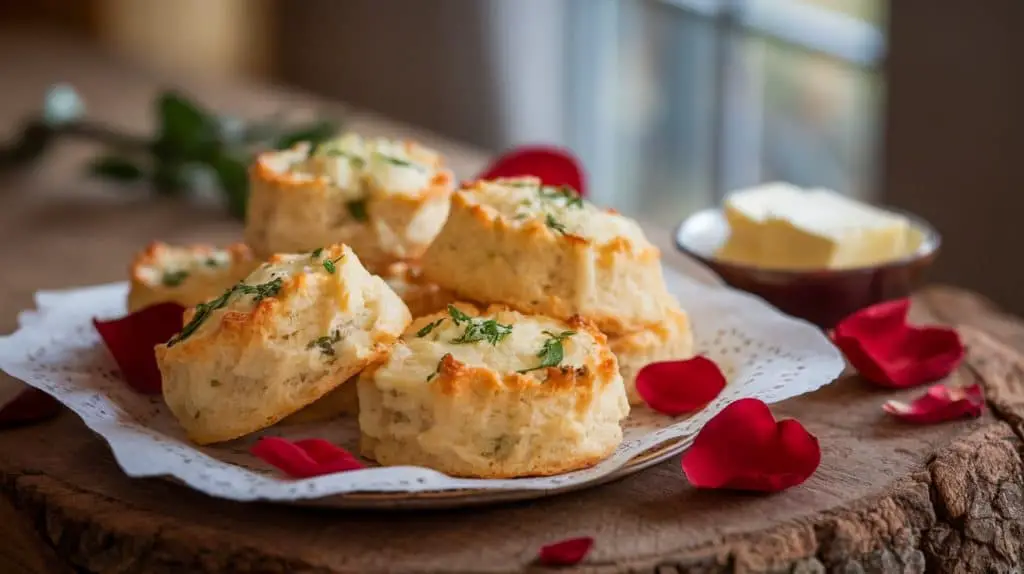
x=132 y=338
x=940 y=404
x=887 y=351
x=744 y=448
x=678 y=387
x=565 y=552
x=305 y=458
x=553 y=165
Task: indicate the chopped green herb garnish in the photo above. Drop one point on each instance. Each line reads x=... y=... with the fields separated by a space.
x=521 y=183
x=484 y=330
x=326 y=344
x=203 y=310
x=357 y=209
x=261 y=291
x=554 y=224
x=437 y=371
x=355 y=160
x=477 y=329
x=458 y=317
x=565 y=192
x=572 y=198
x=397 y=161
x=329 y=264
x=174 y=278
x=211 y=262
x=552 y=352
x=429 y=327
x=316 y=252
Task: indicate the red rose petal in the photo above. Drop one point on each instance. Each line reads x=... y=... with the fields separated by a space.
x=131 y=340
x=565 y=552
x=678 y=387
x=940 y=404
x=554 y=166
x=324 y=452
x=887 y=351
x=744 y=448
x=30 y=406
x=305 y=458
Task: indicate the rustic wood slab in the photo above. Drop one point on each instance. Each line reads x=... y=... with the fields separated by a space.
x=888 y=498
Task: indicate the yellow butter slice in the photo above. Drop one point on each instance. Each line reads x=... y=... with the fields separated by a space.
x=782 y=227
x=747 y=211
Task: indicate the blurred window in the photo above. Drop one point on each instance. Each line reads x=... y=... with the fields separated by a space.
x=672 y=103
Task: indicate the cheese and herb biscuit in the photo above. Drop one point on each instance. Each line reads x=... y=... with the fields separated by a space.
x=385 y=199
x=545 y=250
x=296 y=328
x=187 y=275
x=494 y=394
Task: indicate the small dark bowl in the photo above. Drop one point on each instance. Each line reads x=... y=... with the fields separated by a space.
x=822 y=297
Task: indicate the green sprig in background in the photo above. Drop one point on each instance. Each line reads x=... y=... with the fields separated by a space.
x=192 y=145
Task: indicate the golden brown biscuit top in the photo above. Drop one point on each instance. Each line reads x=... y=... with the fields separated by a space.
x=463 y=348
x=170 y=266
x=555 y=211
x=353 y=167
x=330 y=277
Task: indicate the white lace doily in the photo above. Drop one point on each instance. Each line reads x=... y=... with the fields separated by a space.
x=762 y=352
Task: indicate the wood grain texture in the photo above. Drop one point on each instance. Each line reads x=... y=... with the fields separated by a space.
x=23 y=551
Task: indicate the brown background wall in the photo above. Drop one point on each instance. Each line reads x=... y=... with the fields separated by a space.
x=197 y=37
x=408 y=60
x=955 y=135
x=76 y=17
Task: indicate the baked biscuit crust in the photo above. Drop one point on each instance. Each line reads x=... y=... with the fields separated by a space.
x=385 y=199
x=293 y=330
x=422 y=297
x=187 y=275
x=342 y=401
x=544 y=250
x=488 y=395
x=672 y=339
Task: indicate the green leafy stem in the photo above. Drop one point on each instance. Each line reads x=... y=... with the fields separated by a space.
x=192 y=146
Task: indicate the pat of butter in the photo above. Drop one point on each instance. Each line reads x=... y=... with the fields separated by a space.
x=782 y=227
x=747 y=212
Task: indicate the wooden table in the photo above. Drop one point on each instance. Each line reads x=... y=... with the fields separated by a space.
x=887 y=497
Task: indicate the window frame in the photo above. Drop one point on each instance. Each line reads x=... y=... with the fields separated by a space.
x=792 y=23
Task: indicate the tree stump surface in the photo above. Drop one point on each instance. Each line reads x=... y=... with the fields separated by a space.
x=888 y=497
